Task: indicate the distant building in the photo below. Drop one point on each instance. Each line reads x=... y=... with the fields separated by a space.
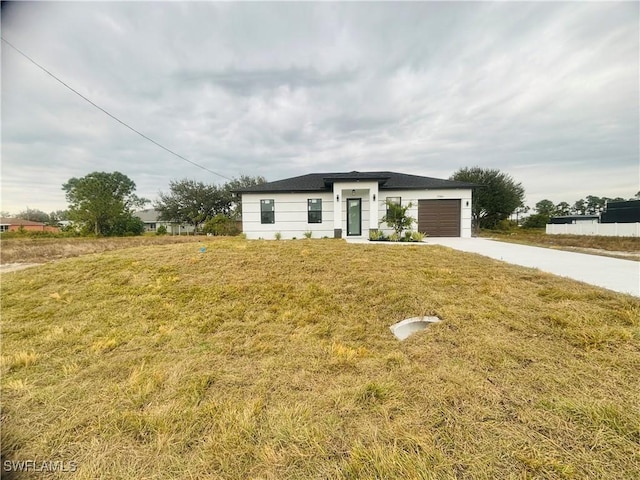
x=621 y=212
x=16 y=224
x=619 y=219
x=151 y=220
x=571 y=219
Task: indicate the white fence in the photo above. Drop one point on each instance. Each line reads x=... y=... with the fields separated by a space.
x=604 y=229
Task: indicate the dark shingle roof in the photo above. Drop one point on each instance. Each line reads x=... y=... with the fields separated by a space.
x=319 y=182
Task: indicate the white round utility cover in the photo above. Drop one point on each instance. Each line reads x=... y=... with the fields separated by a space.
x=411 y=325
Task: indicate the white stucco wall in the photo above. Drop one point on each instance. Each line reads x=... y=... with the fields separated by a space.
x=291 y=210
x=290 y=215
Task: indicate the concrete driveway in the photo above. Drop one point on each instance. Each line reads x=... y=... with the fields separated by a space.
x=611 y=273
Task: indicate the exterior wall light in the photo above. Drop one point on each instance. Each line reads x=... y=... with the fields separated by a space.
x=337 y=198
x=353 y=192
x=374 y=197
x=467 y=203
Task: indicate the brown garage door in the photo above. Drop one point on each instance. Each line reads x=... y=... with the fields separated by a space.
x=439 y=218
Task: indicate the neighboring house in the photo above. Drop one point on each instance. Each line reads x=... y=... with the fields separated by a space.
x=572 y=219
x=350 y=205
x=15 y=224
x=619 y=219
x=150 y=218
x=621 y=212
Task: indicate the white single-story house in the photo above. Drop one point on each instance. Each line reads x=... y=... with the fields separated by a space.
x=350 y=205
x=151 y=220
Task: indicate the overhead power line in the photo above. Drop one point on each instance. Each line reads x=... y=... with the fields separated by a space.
x=109 y=114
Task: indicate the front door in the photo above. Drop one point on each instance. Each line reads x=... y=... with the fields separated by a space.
x=354 y=216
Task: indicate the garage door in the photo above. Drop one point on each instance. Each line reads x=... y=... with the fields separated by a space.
x=439 y=218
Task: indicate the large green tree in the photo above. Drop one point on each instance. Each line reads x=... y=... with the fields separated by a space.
x=34 y=215
x=102 y=202
x=545 y=207
x=195 y=202
x=237 y=184
x=563 y=208
x=595 y=205
x=192 y=202
x=579 y=207
x=497 y=197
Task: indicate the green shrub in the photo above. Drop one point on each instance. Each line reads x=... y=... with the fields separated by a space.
x=506 y=225
x=378 y=236
x=394 y=237
x=221 y=225
x=538 y=220
x=308 y=234
x=278 y=236
x=40 y=234
x=417 y=236
x=375 y=235
x=124 y=226
x=161 y=230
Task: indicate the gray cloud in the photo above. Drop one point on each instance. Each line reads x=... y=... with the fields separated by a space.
x=546 y=92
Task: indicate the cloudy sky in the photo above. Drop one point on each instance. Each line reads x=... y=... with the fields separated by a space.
x=547 y=92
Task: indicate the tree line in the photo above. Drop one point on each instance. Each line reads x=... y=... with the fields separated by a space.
x=104 y=204
x=590 y=205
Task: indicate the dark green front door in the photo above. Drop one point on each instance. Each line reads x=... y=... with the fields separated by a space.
x=354 y=216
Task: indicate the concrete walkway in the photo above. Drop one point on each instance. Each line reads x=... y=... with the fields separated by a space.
x=611 y=273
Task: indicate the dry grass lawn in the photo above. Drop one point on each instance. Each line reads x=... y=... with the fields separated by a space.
x=41 y=250
x=274 y=360
x=618 y=247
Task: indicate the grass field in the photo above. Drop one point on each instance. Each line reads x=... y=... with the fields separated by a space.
x=619 y=247
x=274 y=360
x=41 y=250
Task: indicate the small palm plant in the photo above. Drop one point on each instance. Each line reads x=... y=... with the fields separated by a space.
x=397 y=218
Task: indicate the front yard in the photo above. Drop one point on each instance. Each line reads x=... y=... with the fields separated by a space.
x=267 y=359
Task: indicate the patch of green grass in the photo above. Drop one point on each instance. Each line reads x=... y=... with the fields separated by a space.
x=275 y=360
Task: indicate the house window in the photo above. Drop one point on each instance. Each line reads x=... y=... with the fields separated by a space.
x=4 y=228
x=152 y=227
x=267 y=211
x=314 y=210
